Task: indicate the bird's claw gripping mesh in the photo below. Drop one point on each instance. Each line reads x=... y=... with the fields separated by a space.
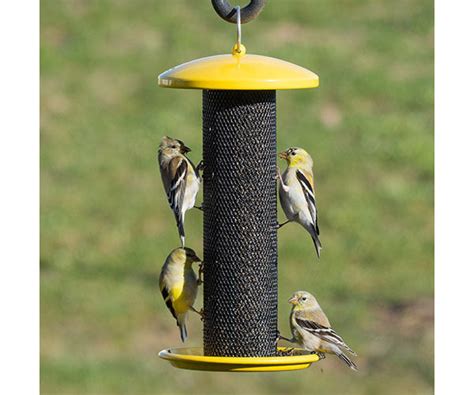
x=240 y=223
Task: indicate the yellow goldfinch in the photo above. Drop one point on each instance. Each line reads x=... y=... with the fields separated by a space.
x=297 y=192
x=180 y=179
x=178 y=285
x=312 y=331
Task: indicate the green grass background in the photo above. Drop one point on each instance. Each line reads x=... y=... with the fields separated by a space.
x=106 y=228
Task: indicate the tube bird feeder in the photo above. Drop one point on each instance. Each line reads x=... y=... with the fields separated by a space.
x=240 y=203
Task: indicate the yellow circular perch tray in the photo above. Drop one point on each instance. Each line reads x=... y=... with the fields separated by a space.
x=192 y=358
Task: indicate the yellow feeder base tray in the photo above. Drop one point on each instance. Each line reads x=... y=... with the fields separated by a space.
x=192 y=358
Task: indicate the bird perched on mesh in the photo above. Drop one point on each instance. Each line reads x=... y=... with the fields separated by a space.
x=312 y=331
x=179 y=284
x=297 y=192
x=180 y=179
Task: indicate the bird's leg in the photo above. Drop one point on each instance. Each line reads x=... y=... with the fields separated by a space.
x=289 y=351
x=286 y=188
x=277 y=338
x=278 y=175
x=200 y=272
x=200 y=167
x=200 y=312
x=280 y=337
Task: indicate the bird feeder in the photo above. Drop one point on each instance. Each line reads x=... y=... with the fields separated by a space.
x=240 y=203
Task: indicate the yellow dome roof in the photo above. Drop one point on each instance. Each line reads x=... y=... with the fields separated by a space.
x=238 y=72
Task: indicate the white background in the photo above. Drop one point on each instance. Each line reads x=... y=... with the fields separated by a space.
x=454 y=195
x=19 y=197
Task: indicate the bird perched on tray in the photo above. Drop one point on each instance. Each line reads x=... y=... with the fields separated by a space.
x=180 y=179
x=312 y=331
x=178 y=285
x=297 y=192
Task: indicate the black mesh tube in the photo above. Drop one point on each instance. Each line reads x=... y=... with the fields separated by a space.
x=240 y=223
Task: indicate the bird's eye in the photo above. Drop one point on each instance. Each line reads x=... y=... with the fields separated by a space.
x=293 y=153
x=304 y=298
x=173 y=146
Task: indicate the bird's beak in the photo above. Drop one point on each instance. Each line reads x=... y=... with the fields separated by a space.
x=283 y=155
x=293 y=300
x=197 y=259
x=185 y=149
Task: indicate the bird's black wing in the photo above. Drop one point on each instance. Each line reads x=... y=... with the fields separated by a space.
x=324 y=333
x=177 y=190
x=168 y=301
x=310 y=199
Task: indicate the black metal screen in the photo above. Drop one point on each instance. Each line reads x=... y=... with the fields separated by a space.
x=240 y=223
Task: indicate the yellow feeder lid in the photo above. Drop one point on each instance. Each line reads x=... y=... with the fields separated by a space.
x=238 y=71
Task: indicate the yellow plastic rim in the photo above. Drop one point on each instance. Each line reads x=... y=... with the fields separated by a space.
x=192 y=358
x=238 y=71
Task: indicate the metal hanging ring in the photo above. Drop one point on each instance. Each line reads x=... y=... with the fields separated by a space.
x=229 y=13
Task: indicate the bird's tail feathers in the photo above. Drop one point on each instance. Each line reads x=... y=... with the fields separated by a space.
x=181 y=322
x=350 y=350
x=347 y=361
x=317 y=243
x=180 y=225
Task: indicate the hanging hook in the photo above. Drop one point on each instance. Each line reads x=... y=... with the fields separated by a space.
x=239 y=30
x=238 y=48
x=229 y=13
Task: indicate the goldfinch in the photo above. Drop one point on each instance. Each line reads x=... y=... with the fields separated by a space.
x=297 y=192
x=178 y=285
x=312 y=331
x=180 y=179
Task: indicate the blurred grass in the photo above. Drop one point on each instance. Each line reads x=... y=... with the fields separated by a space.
x=106 y=228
